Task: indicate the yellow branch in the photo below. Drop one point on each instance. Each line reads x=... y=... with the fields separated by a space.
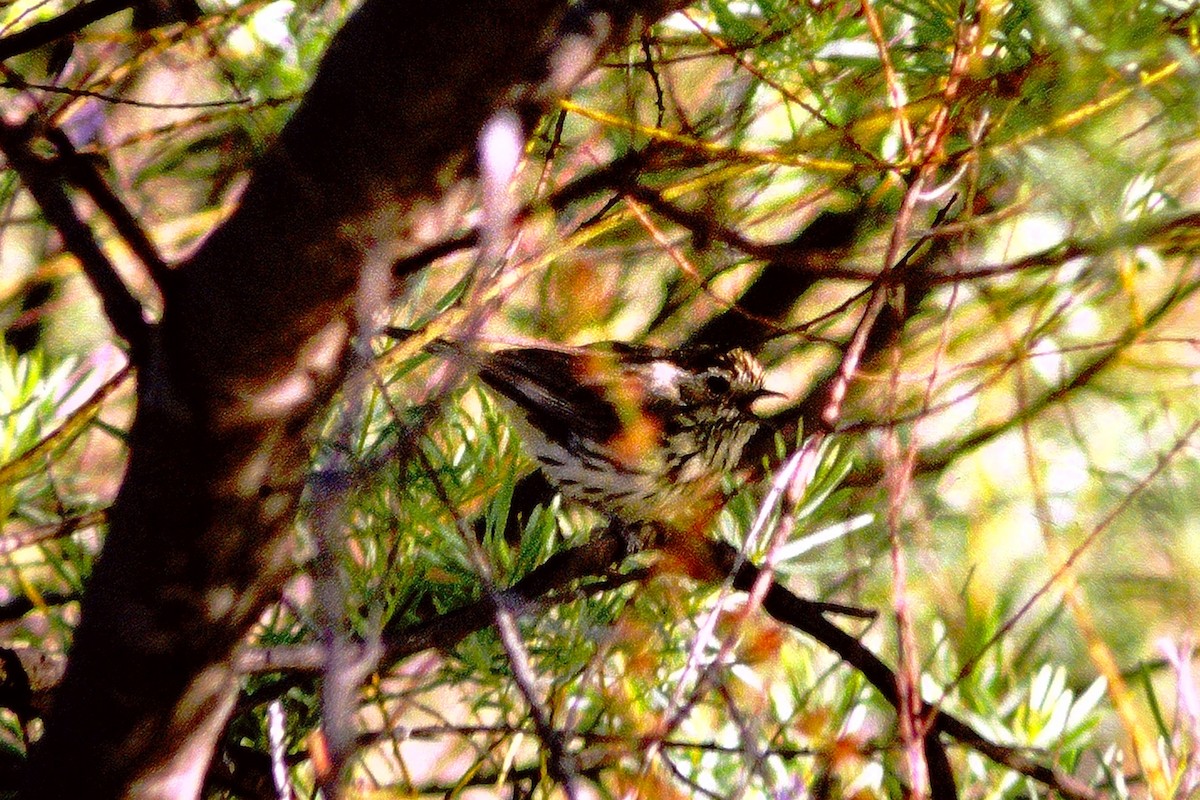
x=710 y=148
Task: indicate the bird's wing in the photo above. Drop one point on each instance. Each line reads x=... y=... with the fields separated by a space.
x=587 y=394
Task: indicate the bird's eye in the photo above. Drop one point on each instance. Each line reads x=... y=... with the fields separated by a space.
x=716 y=384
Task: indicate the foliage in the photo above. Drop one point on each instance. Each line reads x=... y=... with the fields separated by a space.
x=1001 y=194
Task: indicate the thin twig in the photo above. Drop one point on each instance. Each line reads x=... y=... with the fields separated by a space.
x=277 y=744
x=503 y=614
x=20 y=83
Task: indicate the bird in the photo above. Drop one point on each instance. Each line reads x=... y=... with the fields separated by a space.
x=641 y=434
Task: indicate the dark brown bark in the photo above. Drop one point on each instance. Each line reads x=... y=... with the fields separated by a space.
x=251 y=346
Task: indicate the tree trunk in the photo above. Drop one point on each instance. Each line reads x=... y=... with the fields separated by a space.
x=251 y=346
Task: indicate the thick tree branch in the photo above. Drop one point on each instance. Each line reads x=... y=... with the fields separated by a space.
x=45 y=183
x=69 y=22
x=146 y=14
x=83 y=173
